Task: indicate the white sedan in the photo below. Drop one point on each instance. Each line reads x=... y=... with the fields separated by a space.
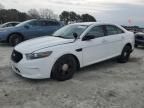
x=70 y=48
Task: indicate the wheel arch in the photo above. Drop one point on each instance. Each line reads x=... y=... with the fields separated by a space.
x=74 y=56
x=15 y=33
x=77 y=60
x=129 y=44
x=123 y=58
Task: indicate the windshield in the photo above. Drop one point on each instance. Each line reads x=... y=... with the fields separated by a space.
x=67 y=31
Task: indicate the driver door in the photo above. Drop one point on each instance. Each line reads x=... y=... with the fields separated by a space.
x=94 y=50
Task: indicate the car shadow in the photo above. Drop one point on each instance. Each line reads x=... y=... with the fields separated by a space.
x=140 y=47
x=4 y=45
x=97 y=66
x=31 y=80
x=34 y=81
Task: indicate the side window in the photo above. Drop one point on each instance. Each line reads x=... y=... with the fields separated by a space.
x=52 y=23
x=35 y=23
x=119 y=31
x=43 y=23
x=13 y=24
x=8 y=25
x=56 y=23
x=112 y=30
x=97 y=31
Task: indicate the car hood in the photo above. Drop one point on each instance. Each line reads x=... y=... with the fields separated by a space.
x=32 y=45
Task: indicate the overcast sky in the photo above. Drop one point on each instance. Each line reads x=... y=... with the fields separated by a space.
x=115 y=11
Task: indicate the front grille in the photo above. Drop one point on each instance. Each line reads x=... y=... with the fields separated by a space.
x=16 y=56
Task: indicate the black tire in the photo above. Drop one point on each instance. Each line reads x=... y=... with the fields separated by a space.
x=61 y=73
x=125 y=55
x=15 y=39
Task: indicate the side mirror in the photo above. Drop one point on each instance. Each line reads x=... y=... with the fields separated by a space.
x=75 y=35
x=88 y=37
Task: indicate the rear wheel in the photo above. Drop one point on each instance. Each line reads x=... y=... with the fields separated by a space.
x=64 y=68
x=15 y=39
x=125 y=55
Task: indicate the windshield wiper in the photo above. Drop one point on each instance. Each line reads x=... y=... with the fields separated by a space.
x=61 y=37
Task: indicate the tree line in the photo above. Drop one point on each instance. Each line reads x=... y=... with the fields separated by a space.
x=74 y=17
x=7 y=15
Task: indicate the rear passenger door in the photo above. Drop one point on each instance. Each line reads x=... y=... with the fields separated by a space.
x=114 y=40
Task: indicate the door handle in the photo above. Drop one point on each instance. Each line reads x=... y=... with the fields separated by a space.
x=79 y=50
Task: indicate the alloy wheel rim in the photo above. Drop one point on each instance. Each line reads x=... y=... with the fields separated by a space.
x=65 y=67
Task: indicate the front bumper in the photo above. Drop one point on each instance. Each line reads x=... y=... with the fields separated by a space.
x=33 y=69
x=139 y=42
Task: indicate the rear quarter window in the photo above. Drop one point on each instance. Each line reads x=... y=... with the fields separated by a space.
x=53 y=23
x=35 y=23
x=113 y=30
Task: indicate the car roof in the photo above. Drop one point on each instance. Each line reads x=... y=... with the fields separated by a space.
x=12 y=22
x=92 y=23
x=43 y=20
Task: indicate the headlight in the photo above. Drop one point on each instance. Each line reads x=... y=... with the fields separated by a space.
x=32 y=56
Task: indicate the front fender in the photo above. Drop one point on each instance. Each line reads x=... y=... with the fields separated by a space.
x=75 y=54
x=3 y=36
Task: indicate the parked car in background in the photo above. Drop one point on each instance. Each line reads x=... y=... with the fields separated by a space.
x=28 y=30
x=71 y=47
x=9 y=24
x=139 y=39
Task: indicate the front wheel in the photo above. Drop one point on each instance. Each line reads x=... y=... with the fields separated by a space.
x=15 y=39
x=64 y=68
x=125 y=55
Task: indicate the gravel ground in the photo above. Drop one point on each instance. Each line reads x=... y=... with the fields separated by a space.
x=104 y=85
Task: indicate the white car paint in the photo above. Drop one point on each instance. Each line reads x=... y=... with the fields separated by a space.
x=95 y=50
